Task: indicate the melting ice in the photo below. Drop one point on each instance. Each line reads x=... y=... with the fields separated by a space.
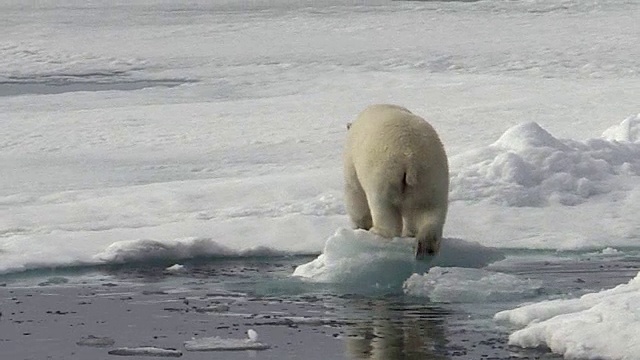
x=365 y=260
x=470 y=285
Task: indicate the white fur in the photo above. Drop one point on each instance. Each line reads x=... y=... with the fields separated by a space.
x=396 y=176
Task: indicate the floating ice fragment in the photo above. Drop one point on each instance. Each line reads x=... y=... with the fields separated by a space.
x=217 y=343
x=175 y=268
x=146 y=351
x=610 y=251
x=56 y=280
x=365 y=260
x=360 y=257
x=253 y=335
x=95 y=341
x=213 y=309
x=470 y=285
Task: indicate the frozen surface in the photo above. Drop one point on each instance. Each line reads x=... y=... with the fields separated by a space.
x=358 y=257
x=528 y=179
x=96 y=341
x=146 y=351
x=145 y=250
x=217 y=343
x=627 y=132
x=470 y=285
x=602 y=325
x=159 y=130
x=527 y=166
x=175 y=268
x=252 y=335
x=161 y=133
x=354 y=257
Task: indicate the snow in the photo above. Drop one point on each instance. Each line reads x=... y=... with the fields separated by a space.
x=602 y=325
x=92 y=209
x=628 y=131
x=145 y=250
x=528 y=176
x=24 y=63
x=464 y=285
x=527 y=166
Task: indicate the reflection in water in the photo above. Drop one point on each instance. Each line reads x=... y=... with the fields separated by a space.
x=397 y=331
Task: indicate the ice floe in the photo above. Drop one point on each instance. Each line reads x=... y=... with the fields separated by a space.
x=217 y=343
x=146 y=351
x=601 y=325
x=462 y=285
x=368 y=260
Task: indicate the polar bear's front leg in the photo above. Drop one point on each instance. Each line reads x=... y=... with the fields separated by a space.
x=428 y=244
x=429 y=233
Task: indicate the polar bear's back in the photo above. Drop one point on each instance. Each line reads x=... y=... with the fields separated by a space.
x=390 y=133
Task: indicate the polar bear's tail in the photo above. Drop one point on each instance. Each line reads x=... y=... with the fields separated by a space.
x=410 y=176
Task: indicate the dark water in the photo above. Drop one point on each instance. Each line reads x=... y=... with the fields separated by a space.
x=328 y=321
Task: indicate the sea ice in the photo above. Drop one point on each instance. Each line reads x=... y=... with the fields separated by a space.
x=602 y=325
x=359 y=257
x=610 y=251
x=252 y=335
x=144 y=250
x=96 y=341
x=217 y=343
x=175 y=268
x=470 y=285
x=627 y=131
x=146 y=351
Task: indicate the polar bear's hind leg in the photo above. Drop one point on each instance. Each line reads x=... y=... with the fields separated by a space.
x=385 y=199
x=356 y=201
x=387 y=219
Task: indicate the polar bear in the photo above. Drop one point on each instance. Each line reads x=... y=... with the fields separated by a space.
x=396 y=176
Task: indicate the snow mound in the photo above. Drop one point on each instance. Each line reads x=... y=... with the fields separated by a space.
x=368 y=260
x=527 y=166
x=146 y=351
x=526 y=136
x=147 y=250
x=470 y=285
x=603 y=325
x=627 y=131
